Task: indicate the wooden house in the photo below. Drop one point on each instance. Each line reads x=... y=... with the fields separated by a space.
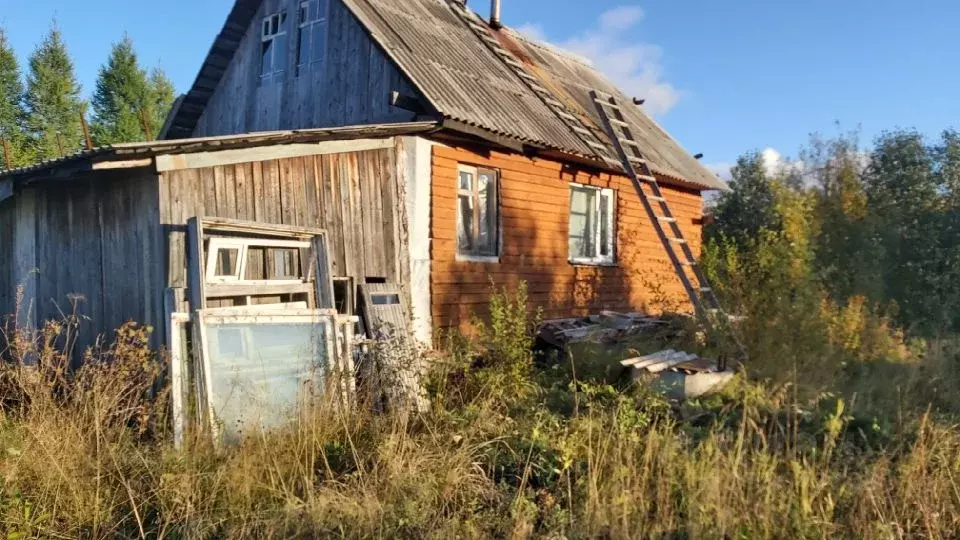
x=437 y=150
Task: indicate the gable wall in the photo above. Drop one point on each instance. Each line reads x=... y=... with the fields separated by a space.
x=353 y=88
x=535 y=198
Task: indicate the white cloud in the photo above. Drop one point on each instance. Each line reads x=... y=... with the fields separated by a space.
x=532 y=31
x=610 y=47
x=772 y=161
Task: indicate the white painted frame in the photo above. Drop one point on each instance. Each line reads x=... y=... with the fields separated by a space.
x=498 y=227
x=597 y=259
x=243 y=245
x=205 y=317
x=178 y=322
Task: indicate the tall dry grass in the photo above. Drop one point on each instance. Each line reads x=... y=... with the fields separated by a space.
x=509 y=447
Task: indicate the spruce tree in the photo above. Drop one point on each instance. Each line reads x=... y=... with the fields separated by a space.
x=162 y=96
x=121 y=98
x=12 y=113
x=53 y=100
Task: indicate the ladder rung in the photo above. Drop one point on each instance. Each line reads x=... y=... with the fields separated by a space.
x=655 y=198
x=601 y=93
x=607 y=104
x=648 y=179
x=667 y=219
x=620 y=123
x=688 y=263
x=634 y=159
x=595 y=144
x=509 y=59
x=628 y=142
x=582 y=131
x=523 y=74
x=678 y=240
x=565 y=114
x=551 y=101
x=706 y=289
x=612 y=161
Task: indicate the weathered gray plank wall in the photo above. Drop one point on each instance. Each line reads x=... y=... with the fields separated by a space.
x=7 y=283
x=354 y=196
x=353 y=87
x=98 y=252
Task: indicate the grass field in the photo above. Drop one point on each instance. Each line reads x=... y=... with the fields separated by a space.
x=510 y=447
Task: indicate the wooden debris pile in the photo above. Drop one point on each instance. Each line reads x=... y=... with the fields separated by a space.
x=607 y=327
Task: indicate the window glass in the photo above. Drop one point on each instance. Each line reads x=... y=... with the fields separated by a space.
x=465 y=223
x=311 y=38
x=227 y=262
x=273 y=51
x=478 y=207
x=260 y=373
x=592 y=230
x=605 y=222
x=286 y=264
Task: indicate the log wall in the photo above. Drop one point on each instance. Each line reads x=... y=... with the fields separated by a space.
x=535 y=199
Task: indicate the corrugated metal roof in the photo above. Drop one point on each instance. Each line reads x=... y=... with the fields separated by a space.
x=149 y=149
x=492 y=80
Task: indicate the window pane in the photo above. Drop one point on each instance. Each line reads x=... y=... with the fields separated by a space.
x=286 y=263
x=227 y=263
x=605 y=225
x=280 y=53
x=261 y=373
x=266 y=63
x=319 y=42
x=466 y=181
x=583 y=223
x=465 y=240
x=487 y=196
x=303 y=46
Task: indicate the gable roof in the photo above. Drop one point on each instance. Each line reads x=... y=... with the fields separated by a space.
x=481 y=78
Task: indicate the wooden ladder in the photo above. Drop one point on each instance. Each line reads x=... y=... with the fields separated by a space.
x=695 y=282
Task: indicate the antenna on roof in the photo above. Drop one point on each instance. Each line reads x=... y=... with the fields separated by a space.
x=637 y=101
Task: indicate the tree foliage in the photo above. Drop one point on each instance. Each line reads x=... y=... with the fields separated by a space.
x=121 y=98
x=53 y=100
x=879 y=226
x=12 y=112
x=128 y=104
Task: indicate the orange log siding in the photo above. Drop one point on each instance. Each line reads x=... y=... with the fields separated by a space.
x=535 y=199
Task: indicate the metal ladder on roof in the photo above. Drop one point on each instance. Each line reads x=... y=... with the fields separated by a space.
x=695 y=282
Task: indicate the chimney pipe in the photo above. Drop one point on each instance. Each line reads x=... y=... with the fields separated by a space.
x=495 y=15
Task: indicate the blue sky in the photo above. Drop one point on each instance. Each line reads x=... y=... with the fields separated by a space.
x=723 y=77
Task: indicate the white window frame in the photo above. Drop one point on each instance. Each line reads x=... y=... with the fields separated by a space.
x=322 y=17
x=277 y=65
x=203 y=368
x=498 y=227
x=243 y=247
x=598 y=260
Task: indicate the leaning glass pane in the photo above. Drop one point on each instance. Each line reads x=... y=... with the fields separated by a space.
x=262 y=371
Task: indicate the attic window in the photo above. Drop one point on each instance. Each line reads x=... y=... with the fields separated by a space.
x=273 y=49
x=312 y=35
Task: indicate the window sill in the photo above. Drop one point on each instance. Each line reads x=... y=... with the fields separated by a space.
x=593 y=262
x=483 y=259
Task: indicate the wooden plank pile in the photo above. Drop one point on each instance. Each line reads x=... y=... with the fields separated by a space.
x=607 y=327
